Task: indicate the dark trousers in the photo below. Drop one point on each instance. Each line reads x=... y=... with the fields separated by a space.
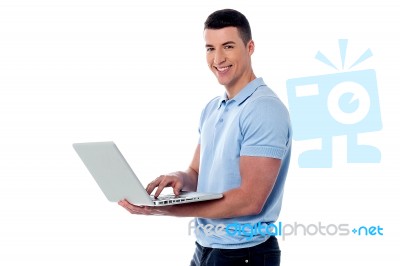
x=264 y=254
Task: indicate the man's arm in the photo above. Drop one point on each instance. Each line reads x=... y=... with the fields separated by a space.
x=258 y=178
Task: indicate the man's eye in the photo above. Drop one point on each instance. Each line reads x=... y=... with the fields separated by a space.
x=209 y=49
x=228 y=47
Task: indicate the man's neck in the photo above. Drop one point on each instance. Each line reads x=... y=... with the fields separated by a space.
x=232 y=91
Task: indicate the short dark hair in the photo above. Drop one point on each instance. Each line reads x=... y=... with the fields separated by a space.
x=229 y=18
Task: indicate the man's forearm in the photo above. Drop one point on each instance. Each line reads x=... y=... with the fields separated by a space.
x=234 y=203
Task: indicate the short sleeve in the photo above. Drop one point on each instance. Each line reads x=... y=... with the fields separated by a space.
x=265 y=128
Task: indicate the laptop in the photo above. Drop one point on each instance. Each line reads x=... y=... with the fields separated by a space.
x=117 y=180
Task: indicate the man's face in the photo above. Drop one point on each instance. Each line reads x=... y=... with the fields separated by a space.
x=228 y=57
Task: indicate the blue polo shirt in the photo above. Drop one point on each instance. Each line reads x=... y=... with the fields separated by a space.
x=253 y=123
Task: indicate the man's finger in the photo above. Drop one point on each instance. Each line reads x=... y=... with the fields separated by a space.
x=153 y=184
x=166 y=181
x=160 y=188
x=177 y=189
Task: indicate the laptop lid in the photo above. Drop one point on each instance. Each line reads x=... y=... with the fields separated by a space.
x=112 y=172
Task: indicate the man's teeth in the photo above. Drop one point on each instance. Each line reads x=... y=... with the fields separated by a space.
x=222 y=68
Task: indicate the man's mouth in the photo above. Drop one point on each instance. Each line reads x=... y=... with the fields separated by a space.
x=223 y=69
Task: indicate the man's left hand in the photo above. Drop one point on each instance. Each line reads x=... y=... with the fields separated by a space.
x=143 y=210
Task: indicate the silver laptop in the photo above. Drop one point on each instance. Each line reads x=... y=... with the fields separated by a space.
x=118 y=181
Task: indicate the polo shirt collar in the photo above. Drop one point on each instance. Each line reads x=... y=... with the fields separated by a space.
x=244 y=93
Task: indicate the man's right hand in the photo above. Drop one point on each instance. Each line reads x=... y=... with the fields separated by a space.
x=174 y=180
x=186 y=180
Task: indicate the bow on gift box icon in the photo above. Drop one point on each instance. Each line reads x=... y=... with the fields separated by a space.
x=344 y=103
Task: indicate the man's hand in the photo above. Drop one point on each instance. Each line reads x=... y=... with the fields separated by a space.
x=144 y=210
x=174 y=180
x=181 y=180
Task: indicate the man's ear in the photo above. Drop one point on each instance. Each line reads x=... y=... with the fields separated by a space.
x=250 y=47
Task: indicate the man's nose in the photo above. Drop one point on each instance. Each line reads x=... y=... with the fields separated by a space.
x=219 y=57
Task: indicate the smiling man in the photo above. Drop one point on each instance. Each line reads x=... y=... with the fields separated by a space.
x=230 y=60
x=243 y=152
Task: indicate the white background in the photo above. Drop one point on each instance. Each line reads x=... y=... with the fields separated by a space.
x=135 y=73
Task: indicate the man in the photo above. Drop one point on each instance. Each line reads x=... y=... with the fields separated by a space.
x=243 y=152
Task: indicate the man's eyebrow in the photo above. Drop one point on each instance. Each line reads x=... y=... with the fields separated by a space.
x=225 y=43
x=230 y=42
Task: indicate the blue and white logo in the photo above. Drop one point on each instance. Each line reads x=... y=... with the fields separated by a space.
x=344 y=103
